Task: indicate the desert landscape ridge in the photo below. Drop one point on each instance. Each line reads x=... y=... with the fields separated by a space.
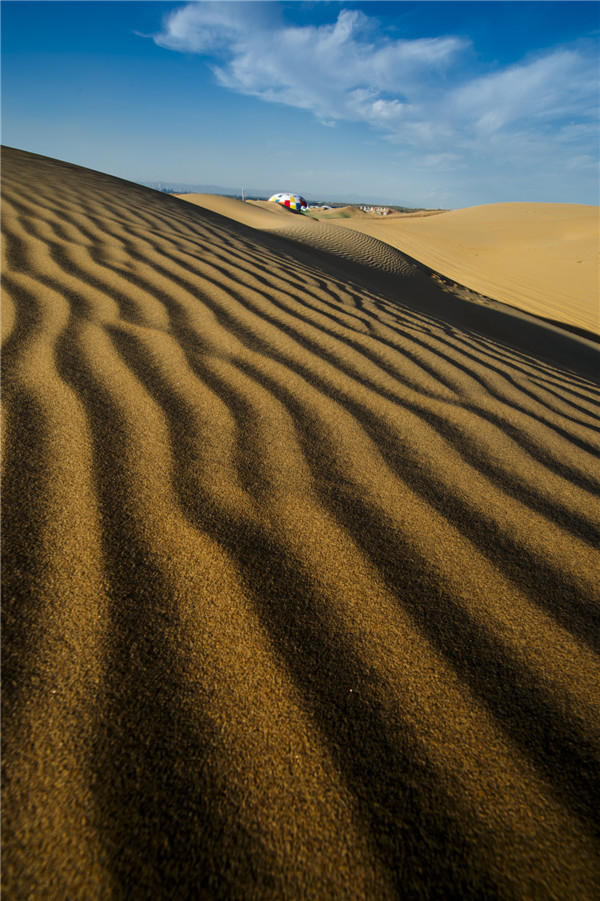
x=540 y=258
x=300 y=557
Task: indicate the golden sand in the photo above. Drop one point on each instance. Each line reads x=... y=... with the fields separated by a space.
x=300 y=563
x=543 y=258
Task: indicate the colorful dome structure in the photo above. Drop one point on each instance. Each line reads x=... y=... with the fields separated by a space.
x=293 y=201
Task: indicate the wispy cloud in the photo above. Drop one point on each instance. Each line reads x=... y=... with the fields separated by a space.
x=420 y=93
x=344 y=70
x=558 y=85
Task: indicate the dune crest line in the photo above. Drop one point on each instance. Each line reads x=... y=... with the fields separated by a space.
x=300 y=563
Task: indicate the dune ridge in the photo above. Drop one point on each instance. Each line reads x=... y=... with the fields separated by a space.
x=300 y=578
x=350 y=246
x=543 y=258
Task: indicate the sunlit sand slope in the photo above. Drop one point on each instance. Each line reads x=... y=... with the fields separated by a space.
x=543 y=258
x=300 y=580
x=255 y=214
x=279 y=220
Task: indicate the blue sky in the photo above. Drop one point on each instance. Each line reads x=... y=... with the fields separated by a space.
x=438 y=104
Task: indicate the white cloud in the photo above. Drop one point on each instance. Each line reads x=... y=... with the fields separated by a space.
x=415 y=92
x=208 y=28
x=557 y=85
x=337 y=71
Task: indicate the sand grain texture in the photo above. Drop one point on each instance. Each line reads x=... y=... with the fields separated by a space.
x=300 y=565
x=543 y=258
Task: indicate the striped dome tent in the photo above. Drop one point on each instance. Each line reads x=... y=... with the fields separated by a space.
x=293 y=201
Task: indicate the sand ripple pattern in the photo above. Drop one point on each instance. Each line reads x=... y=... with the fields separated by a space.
x=300 y=581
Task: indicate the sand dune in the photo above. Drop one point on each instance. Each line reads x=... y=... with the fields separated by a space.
x=349 y=246
x=256 y=214
x=300 y=565
x=540 y=257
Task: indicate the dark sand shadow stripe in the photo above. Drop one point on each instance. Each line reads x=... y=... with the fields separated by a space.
x=521 y=706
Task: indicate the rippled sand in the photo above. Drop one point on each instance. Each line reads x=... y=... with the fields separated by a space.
x=543 y=258
x=300 y=565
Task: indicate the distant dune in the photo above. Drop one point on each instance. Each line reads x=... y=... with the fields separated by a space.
x=543 y=258
x=300 y=558
x=540 y=257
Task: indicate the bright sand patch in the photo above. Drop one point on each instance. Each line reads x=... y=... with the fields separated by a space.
x=543 y=259
x=300 y=564
x=540 y=257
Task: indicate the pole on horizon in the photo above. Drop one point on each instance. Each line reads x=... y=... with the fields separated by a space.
x=243 y=196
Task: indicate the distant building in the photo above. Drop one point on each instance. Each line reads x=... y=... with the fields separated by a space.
x=377 y=210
